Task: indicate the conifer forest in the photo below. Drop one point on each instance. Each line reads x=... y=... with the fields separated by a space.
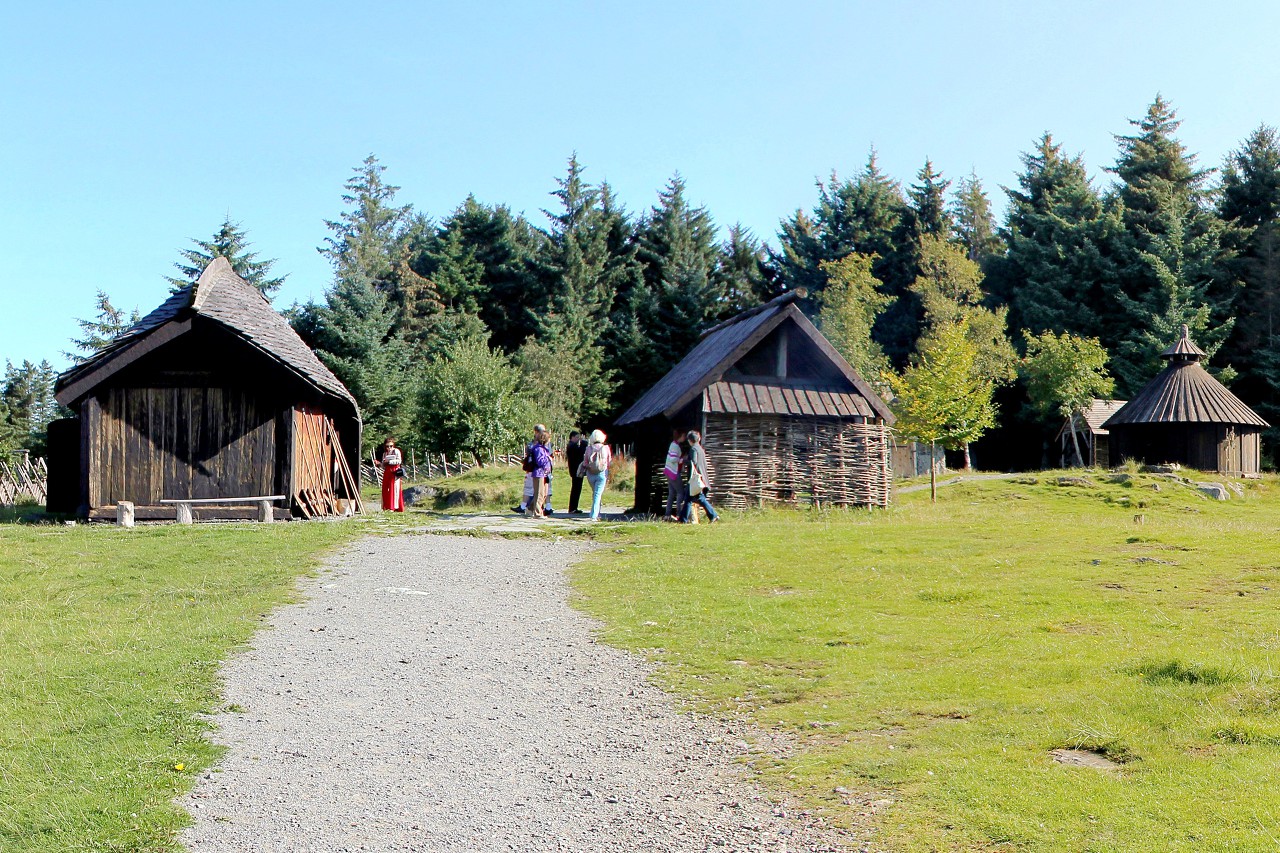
x=456 y=330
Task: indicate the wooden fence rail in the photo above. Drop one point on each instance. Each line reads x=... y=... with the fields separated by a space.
x=22 y=477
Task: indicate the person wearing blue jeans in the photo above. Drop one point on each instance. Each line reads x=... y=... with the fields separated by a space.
x=595 y=467
x=696 y=486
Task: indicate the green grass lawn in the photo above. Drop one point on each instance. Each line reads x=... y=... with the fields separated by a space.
x=934 y=655
x=110 y=640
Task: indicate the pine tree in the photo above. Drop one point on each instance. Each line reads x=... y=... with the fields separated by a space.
x=229 y=242
x=365 y=236
x=973 y=225
x=98 y=334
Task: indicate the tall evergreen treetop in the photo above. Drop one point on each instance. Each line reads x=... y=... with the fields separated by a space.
x=99 y=333
x=364 y=235
x=973 y=225
x=228 y=242
x=1153 y=164
x=929 y=202
x=1250 y=193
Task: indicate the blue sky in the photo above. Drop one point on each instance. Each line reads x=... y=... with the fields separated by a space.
x=128 y=129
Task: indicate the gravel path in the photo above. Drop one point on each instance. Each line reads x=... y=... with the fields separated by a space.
x=436 y=693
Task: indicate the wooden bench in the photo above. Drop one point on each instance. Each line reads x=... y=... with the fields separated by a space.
x=264 y=503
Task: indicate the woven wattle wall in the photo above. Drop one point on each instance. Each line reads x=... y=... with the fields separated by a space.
x=761 y=460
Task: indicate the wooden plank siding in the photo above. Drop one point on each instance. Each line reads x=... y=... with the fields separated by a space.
x=167 y=443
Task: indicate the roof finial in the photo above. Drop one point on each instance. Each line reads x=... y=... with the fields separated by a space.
x=1186 y=333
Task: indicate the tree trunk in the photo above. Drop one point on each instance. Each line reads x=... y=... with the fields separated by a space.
x=933 y=474
x=968 y=464
x=1075 y=443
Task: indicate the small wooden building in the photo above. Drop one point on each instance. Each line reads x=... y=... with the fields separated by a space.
x=784 y=418
x=1094 y=441
x=210 y=396
x=1184 y=415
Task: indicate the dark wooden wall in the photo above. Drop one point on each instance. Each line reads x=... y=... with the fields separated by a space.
x=148 y=444
x=1225 y=448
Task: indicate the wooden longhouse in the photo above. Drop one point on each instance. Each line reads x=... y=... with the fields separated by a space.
x=1186 y=416
x=784 y=418
x=210 y=396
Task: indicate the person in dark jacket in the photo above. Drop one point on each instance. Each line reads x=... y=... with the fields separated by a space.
x=573 y=454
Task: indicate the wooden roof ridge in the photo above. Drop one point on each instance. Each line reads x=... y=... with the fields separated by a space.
x=724 y=345
x=221 y=296
x=785 y=299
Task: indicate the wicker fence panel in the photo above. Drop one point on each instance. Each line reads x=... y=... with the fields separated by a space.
x=761 y=460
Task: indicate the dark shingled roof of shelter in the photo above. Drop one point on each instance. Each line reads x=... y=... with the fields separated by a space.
x=1184 y=392
x=722 y=346
x=222 y=296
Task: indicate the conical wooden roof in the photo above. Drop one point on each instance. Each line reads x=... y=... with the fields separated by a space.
x=1184 y=392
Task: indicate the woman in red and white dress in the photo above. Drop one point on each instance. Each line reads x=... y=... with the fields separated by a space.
x=392 y=460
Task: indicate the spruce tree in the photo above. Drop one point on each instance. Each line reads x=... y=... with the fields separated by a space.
x=578 y=290
x=678 y=249
x=973 y=225
x=1249 y=203
x=863 y=215
x=1060 y=236
x=230 y=242
x=1182 y=264
x=742 y=271
x=929 y=203
x=29 y=405
x=365 y=235
x=355 y=332
x=99 y=333
x=1173 y=257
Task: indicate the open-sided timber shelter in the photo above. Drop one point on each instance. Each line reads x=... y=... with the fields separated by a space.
x=1184 y=415
x=1094 y=441
x=784 y=418
x=211 y=396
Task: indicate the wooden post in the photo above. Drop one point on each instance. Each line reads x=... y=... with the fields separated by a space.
x=265 y=513
x=124 y=513
x=184 y=513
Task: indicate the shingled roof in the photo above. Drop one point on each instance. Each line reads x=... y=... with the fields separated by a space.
x=722 y=346
x=223 y=297
x=1184 y=392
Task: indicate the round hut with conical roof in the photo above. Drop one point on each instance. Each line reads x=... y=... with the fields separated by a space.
x=1184 y=415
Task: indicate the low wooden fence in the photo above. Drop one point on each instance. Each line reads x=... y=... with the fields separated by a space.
x=23 y=478
x=431 y=465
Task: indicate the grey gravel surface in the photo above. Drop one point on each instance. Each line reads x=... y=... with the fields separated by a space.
x=437 y=693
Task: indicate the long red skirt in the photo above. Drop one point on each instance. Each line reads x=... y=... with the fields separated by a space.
x=392 y=496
